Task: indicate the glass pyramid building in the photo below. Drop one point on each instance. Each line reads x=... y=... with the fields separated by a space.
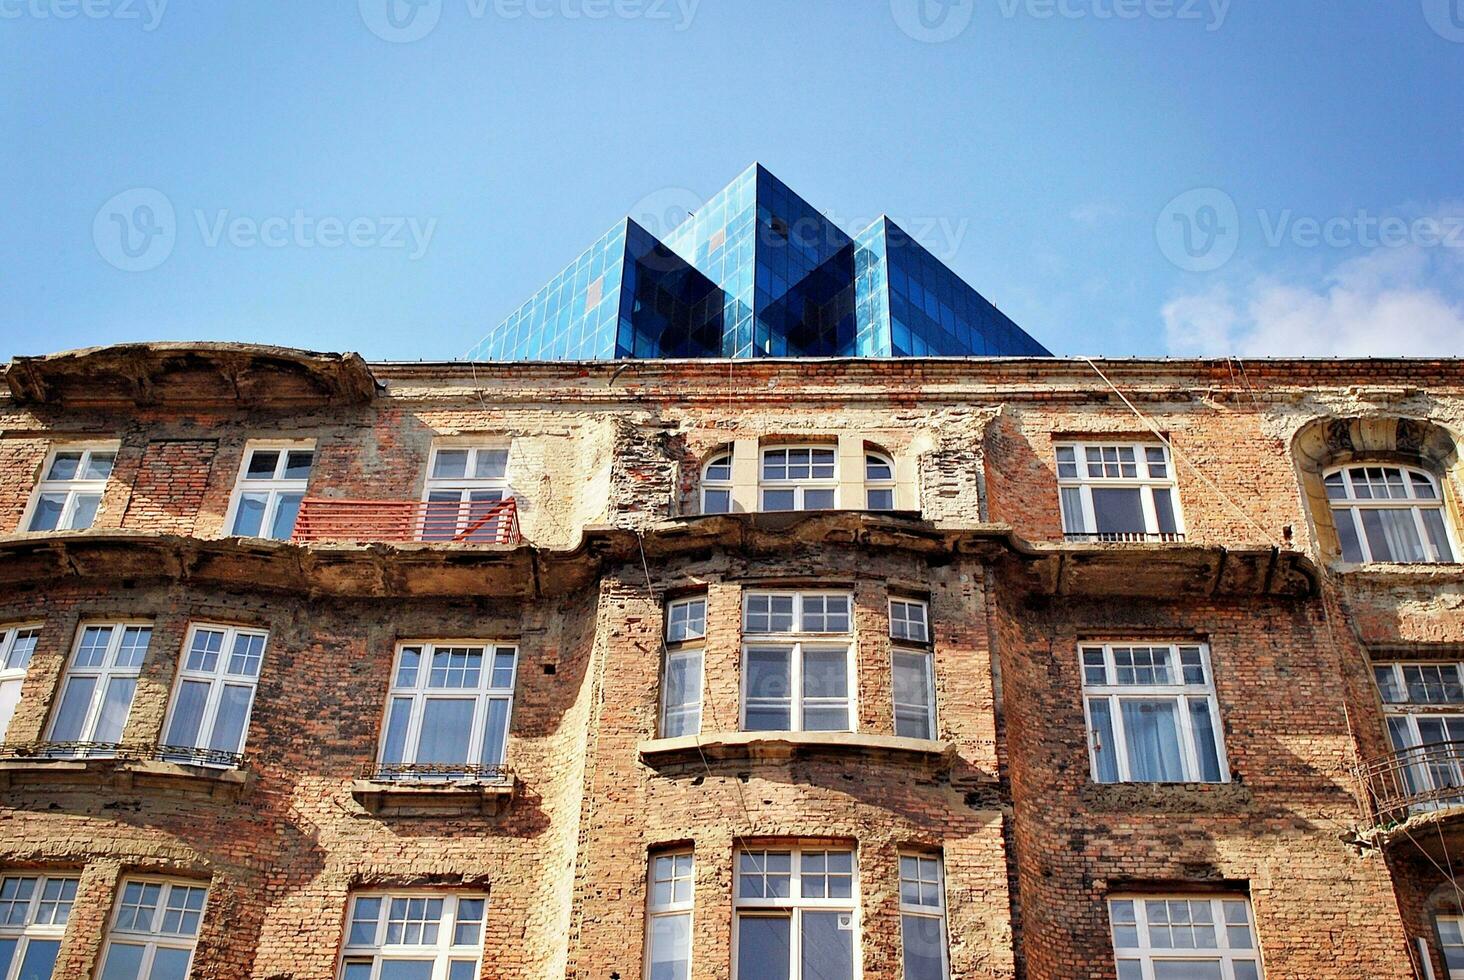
x=756 y=272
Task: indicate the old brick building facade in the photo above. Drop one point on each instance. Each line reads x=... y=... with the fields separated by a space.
x=992 y=668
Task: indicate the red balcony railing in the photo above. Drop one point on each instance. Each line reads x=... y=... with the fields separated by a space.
x=1416 y=780
x=397 y=521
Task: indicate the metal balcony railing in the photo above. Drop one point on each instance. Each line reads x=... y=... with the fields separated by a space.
x=399 y=521
x=186 y=755
x=1416 y=780
x=1122 y=537
x=415 y=772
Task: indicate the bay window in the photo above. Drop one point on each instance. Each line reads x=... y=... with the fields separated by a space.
x=1152 y=714
x=804 y=680
x=448 y=711
x=796 y=915
x=214 y=695
x=96 y=693
x=1389 y=514
x=1118 y=492
x=414 y=936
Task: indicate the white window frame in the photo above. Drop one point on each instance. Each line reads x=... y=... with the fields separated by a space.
x=473 y=492
x=37 y=924
x=793 y=906
x=419 y=693
x=104 y=674
x=153 y=938
x=444 y=953
x=1429 y=770
x=273 y=488
x=799 y=485
x=1083 y=526
x=674 y=908
x=73 y=489
x=921 y=909
x=1456 y=924
x=1178 y=691
x=684 y=644
x=216 y=679
x=1145 y=954
x=22 y=636
x=718 y=484
x=800 y=641
x=1350 y=508
x=917 y=645
x=872 y=485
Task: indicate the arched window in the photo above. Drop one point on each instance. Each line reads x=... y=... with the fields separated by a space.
x=799 y=478
x=1388 y=514
x=879 y=482
x=716 y=485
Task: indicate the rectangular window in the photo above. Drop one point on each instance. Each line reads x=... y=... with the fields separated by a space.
x=681 y=678
x=96 y=693
x=214 y=695
x=1451 y=941
x=71 y=487
x=448 y=711
x=1423 y=705
x=464 y=486
x=668 y=917
x=922 y=917
x=272 y=482
x=34 y=910
x=795 y=915
x=1118 y=492
x=805 y=684
x=799 y=478
x=912 y=668
x=1184 y=938
x=17 y=644
x=414 y=936
x=154 y=930
x=1152 y=714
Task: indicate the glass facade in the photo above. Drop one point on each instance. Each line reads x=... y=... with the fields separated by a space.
x=756 y=272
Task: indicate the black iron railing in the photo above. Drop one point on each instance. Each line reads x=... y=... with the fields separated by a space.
x=1122 y=537
x=186 y=755
x=408 y=772
x=1415 y=780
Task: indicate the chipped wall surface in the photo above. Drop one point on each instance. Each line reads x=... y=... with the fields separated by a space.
x=605 y=463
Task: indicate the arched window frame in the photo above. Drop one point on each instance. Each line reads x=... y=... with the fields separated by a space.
x=1422 y=501
x=879 y=487
x=716 y=483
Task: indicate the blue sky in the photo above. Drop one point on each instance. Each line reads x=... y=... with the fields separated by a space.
x=1123 y=177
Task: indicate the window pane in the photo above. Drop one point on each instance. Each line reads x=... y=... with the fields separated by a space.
x=462 y=970
x=818 y=499
x=228 y=733
x=828 y=945
x=778 y=499
x=406 y=970
x=48 y=512
x=924 y=947
x=1164 y=510
x=262 y=464
x=124 y=962
x=671 y=947
x=394 y=742
x=1207 y=747
x=491 y=464
x=495 y=732
x=1343 y=518
x=1104 y=754
x=763 y=947
x=115 y=706
x=768 y=672
x=84 y=511
x=287 y=509
x=249 y=518
x=1438 y=536
x=357 y=970
x=1187 y=970
x=170 y=964
x=298 y=463
x=717 y=502
x=450 y=463
x=40 y=959
x=9 y=698
x=447 y=723
x=881 y=500
x=64 y=466
x=1392 y=535
x=188 y=713
x=825 y=674
x=1118 y=511
x=71 y=716
x=1151 y=737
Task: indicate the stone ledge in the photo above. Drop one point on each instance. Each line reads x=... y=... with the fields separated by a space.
x=434 y=799
x=780 y=746
x=1392 y=574
x=126 y=775
x=1168 y=798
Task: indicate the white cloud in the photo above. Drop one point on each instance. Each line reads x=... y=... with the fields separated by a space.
x=1398 y=302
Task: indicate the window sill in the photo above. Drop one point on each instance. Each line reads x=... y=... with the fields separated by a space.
x=419 y=798
x=1395 y=572
x=778 y=746
x=125 y=775
x=1168 y=798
